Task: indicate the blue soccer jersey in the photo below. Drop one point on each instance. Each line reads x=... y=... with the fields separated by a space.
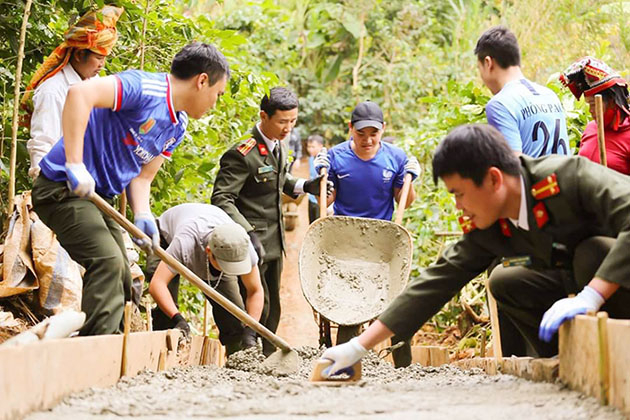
x=118 y=142
x=530 y=117
x=366 y=188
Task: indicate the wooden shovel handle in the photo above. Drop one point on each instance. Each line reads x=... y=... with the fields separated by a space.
x=402 y=203
x=601 y=141
x=323 y=198
x=227 y=304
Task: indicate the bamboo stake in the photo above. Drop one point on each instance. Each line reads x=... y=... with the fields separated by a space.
x=144 y=33
x=16 y=104
x=603 y=362
x=127 y=323
x=601 y=140
x=205 y=317
x=494 y=324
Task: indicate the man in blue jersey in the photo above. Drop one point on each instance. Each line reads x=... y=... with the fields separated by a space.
x=367 y=175
x=529 y=116
x=118 y=130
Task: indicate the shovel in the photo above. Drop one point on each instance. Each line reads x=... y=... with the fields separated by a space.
x=284 y=361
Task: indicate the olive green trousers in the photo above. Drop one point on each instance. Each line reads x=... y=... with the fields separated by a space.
x=94 y=240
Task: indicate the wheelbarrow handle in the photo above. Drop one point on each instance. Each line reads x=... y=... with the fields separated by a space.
x=227 y=304
x=402 y=203
x=323 y=198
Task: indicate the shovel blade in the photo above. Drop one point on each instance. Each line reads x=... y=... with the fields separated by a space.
x=282 y=363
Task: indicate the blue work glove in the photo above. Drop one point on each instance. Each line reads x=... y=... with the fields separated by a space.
x=146 y=223
x=343 y=357
x=79 y=181
x=412 y=166
x=321 y=160
x=566 y=309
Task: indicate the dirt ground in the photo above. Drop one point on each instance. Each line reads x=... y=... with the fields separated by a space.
x=383 y=393
x=297 y=325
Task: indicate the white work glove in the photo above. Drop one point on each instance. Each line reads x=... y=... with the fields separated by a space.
x=321 y=160
x=146 y=223
x=343 y=356
x=80 y=181
x=413 y=167
x=566 y=309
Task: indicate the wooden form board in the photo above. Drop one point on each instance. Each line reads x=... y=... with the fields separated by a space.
x=619 y=348
x=429 y=355
x=598 y=369
x=38 y=375
x=538 y=370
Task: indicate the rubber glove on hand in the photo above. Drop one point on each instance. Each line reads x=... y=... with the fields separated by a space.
x=80 y=181
x=181 y=324
x=311 y=186
x=146 y=223
x=566 y=309
x=258 y=246
x=343 y=356
x=321 y=160
x=413 y=167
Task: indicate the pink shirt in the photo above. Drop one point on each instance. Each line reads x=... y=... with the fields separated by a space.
x=617 y=146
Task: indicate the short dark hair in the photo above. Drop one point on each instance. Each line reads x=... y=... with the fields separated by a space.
x=279 y=98
x=500 y=44
x=470 y=150
x=196 y=58
x=315 y=138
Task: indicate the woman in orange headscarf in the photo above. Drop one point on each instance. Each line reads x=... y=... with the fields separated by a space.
x=80 y=56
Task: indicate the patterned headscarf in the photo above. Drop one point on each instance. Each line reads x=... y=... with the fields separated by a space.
x=589 y=76
x=94 y=31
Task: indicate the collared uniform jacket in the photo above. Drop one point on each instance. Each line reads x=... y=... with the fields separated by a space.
x=249 y=187
x=569 y=199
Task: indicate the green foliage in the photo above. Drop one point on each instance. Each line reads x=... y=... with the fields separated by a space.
x=415 y=58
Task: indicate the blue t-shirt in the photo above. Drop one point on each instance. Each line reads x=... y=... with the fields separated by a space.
x=530 y=117
x=366 y=188
x=118 y=142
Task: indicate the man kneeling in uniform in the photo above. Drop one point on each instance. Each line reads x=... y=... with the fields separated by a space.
x=561 y=225
x=217 y=250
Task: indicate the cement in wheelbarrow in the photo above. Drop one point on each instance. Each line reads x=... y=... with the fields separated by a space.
x=351 y=268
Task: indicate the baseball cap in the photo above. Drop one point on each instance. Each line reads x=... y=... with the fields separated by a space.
x=229 y=243
x=367 y=114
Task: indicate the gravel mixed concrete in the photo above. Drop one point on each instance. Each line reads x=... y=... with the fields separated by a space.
x=243 y=392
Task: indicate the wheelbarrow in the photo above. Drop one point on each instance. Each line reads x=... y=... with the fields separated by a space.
x=352 y=268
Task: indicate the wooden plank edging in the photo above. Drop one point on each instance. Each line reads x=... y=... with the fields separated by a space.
x=38 y=375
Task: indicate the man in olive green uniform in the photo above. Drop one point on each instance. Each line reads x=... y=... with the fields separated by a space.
x=560 y=225
x=249 y=186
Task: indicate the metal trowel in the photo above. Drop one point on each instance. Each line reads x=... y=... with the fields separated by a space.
x=344 y=377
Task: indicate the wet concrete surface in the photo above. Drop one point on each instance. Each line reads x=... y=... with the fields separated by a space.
x=383 y=393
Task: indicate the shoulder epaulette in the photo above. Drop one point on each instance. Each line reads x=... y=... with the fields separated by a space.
x=246 y=147
x=466 y=224
x=548 y=187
